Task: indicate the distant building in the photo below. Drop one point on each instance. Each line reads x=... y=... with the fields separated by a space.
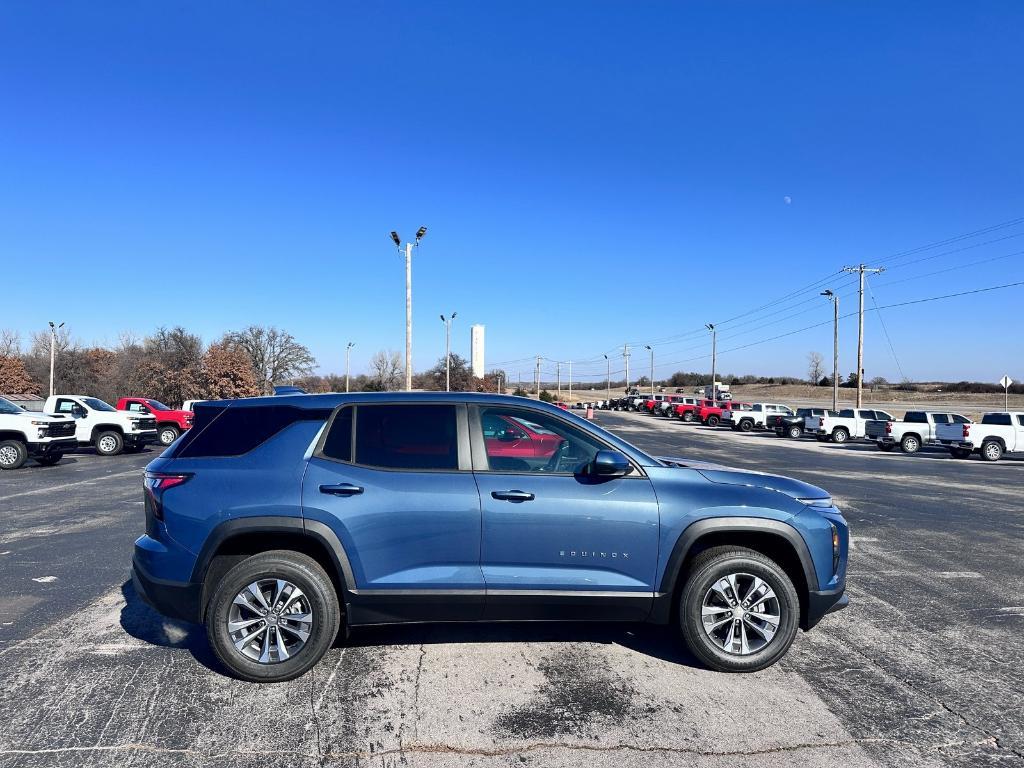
x=476 y=345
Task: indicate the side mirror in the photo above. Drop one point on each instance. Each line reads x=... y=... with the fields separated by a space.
x=609 y=464
x=78 y=412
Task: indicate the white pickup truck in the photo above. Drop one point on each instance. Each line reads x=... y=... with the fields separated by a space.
x=915 y=429
x=843 y=425
x=25 y=434
x=101 y=425
x=754 y=416
x=997 y=433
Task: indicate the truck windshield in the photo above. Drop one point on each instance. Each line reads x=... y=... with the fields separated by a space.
x=157 y=405
x=6 y=406
x=97 y=405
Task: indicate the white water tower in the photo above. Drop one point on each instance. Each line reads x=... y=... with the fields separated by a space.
x=476 y=346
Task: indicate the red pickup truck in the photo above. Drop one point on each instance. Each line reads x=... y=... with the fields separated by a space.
x=169 y=422
x=710 y=412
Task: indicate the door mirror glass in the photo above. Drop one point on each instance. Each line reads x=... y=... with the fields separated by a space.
x=609 y=463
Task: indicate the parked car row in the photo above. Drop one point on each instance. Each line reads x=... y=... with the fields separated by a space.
x=997 y=434
x=69 y=422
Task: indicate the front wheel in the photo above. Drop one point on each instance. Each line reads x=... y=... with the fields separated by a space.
x=960 y=453
x=910 y=444
x=688 y=417
x=273 y=616
x=746 y=425
x=712 y=421
x=738 y=611
x=795 y=432
x=840 y=435
x=13 y=453
x=885 y=447
x=168 y=434
x=109 y=443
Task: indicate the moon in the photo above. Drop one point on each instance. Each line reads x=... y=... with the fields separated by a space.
x=787 y=200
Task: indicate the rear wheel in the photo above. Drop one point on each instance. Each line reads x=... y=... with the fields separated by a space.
x=795 y=432
x=910 y=444
x=168 y=434
x=273 y=616
x=688 y=417
x=109 y=443
x=992 y=451
x=712 y=421
x=960 y=453
x=840 y=435
x=738 y=611
x=746 y=425
x=13 y=454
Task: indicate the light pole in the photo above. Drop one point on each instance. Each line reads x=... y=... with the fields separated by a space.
x=714 y=341
x=570 y=381
x=348 y=351
x=608 y=376
x=650 y=349
x=408 y=299
x=53 y=345
x=448 y=350
x=835 y=346
x=625 y=356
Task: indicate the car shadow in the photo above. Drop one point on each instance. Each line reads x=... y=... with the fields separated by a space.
x=659 y=642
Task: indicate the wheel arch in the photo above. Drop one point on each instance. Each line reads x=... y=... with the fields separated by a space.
x=912 y=434
x=11 y=434
x=105 y=428
x=777 y=540
x=234 y=540
x=994 y=439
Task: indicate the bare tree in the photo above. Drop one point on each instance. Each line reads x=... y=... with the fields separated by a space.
x=815 y=367
x=275 y=354
x=387 y=371
x=10 y=343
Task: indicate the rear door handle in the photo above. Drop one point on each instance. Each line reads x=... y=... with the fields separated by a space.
x=514 y=496
x=341 y=489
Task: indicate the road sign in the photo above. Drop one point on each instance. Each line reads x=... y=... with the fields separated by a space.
x=1005 y=382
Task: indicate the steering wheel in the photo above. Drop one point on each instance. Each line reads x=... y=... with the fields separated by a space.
x=555 y=462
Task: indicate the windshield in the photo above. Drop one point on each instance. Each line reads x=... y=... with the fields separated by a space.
x=97 y=405
x=6 y=406
x=157 y=405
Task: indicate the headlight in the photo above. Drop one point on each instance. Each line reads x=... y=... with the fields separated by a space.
x=835 y=548
x=824 y=503
x=40 y=423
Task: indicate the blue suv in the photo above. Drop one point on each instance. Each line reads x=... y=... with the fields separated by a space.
x=279 y=521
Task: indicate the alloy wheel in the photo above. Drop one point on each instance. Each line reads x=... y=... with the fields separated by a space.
x=270 y=621
x=741 y=613
x=8 y=456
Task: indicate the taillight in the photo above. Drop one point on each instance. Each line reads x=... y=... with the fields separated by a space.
x=967 y=431
x=888 y=427
x=156 y=485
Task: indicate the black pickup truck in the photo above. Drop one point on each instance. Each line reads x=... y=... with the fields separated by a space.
x=792 y=426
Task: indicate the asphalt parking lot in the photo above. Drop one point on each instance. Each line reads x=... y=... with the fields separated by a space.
x=924 y=668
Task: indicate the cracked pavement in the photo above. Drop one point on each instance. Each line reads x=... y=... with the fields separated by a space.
x=923 y=669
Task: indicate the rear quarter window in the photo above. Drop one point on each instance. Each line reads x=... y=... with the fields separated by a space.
x=916 y=417
x=236 y=430
x=999 y=419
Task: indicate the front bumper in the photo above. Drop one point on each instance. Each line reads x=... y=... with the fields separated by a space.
x=819 y=604
x=136 y=439
x=176 y=600
x=61 y=445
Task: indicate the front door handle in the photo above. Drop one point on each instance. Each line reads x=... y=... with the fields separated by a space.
x=341 y=489
x=513 y=496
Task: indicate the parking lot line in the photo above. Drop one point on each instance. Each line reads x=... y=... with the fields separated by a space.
x=62 y=486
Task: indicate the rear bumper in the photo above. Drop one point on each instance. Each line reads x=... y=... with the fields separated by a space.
x=61 y=445
x=819 y=604
x=176 y=600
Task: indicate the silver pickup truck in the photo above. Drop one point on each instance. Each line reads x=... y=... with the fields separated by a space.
x=915 y=429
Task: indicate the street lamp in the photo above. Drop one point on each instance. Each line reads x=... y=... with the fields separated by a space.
x=650 y=349
x=608 y=365
x=448 y=350
x=408 y=298
x=714 y=339
x=53 y=344
x=828 y=294
x=348 y=350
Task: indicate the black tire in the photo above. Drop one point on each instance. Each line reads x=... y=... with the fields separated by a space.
x=688 y=416
x=991 y=451
x=715 y=564
x=840 y=435
x=746 y=425
x=306 y=574
x=886 y=447
x=13 y=454
x=960 y=453
x=712 y=421
x=109 y=443
x=795 y=432
x=168 y=434
x=49 y=461
x=910 y=444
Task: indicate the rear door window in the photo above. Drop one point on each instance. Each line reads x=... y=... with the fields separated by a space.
x=1000 y=419
x=407 y=436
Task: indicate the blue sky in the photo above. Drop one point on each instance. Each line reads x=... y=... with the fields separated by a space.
x=590 y=172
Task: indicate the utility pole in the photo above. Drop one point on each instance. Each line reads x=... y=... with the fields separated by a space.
x=53 y=346
x=348 y=351
x=714 y=354
x=536 y=378
x=649 y=348
x=625 y=355
x=520 y=381
x=608 y=377
x=408 y=299
x=570 y=380
x=448 y=350
x=834 y=298
x=558 y=379
x=861 y=269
